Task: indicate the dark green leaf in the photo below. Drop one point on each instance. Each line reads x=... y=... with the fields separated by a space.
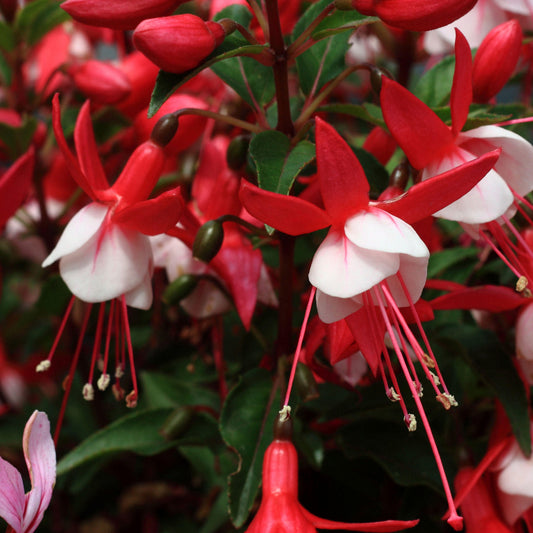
x=441 y=261
x=435 y=86
x=484 y=353
x=395 y=449
x=377 y=176
x=277 y=163
x=246 y=425
x=162 y=390
x=37 y=18
x=17 y=139
x=7 y=39
x=368 y=112
x=137 y=432
x=5 y=72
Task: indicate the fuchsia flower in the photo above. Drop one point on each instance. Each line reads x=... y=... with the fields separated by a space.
x=179 y=43
x=24 y=512
x=281 y=512
x=432 y=147
x=104 y=252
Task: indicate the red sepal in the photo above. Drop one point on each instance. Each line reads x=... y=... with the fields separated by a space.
x=285 y=213
x=15 y=185
x=343 y=183
x=420 y=133
x=433 y=194
x=492 y=298
x=461 y=96
x=153 y=216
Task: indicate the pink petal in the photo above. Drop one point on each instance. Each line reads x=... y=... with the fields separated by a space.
x=516 y=159
x=420 y=133
x=15 y=185
x=154 y=216
x=343 y=182
x=285 y=213
x=81 y=228
x=461 y=96
x=113 y=262
x=387 y=525
x=342 y=269
x=11 y=495
x=413 y=271
x=485 y=202
x=424 y=199
x=40 y=455
x=378 y=230
x=87 y=151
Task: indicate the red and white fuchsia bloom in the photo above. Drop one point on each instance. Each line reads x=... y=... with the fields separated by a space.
x=24 y=512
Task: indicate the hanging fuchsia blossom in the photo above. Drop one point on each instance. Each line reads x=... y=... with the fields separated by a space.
x=281 y=512
x=24 y=512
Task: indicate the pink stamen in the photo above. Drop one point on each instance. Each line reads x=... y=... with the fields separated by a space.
x=519 y=237
x=70 y=377
x=98 y=337
x=108 y=336
x=299 y=346
x=132 y=397
x=524 y=120
x=61 y=329
x=455 y=520
x=495 y=249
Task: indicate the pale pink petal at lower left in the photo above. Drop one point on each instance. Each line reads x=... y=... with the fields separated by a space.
x=11 y=495
x=331 y=309
x=112 y=263
x=40 y=455
x=341 y=269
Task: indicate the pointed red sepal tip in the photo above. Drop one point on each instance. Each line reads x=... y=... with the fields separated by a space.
x=461 y=96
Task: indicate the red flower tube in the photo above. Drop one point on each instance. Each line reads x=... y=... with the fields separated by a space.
x=179 y=43
x=415 y=15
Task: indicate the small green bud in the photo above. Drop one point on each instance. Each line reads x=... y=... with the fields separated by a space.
x=180 y=288
x=237 y=153
x=208 y=241
x=165 y=129
x=176 y=423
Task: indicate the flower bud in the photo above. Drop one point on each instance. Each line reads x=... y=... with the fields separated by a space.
x=305 y=383
x=414 y=15
x=237 y=153
x=208 y=241
x=490 y=73
x=180 y=288
x=179 y=43
x=102 y=82
x=165 y=129
x=119 y=14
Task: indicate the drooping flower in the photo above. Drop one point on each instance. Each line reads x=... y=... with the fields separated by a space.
x=24 y=512
x=104 y=252
x=281 y=512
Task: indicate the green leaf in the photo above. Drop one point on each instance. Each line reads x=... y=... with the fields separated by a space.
x=483 y=352
x=162 y=390
x=246 y=425
x=441 y=261
x=5 y=72
x=374 y=438
x=18 y=139
x=377 y=176
x=277 y=163
x=7 y=39
x=368 y=112
x=37 y=18
x=435 y=86
x=137 y=432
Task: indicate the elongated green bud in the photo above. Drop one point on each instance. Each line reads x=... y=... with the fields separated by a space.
x=180 y=288
x=208 y=241
x=165 y=129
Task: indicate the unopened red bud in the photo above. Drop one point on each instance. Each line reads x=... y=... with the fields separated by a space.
x=237 y=153
x=176 y=423
x=490 y=73
x=415 y=15
x=165 y=129
x=208 y=241
x=102 y=82
x=118 y=14
x=180 y=288
x=179 y=43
